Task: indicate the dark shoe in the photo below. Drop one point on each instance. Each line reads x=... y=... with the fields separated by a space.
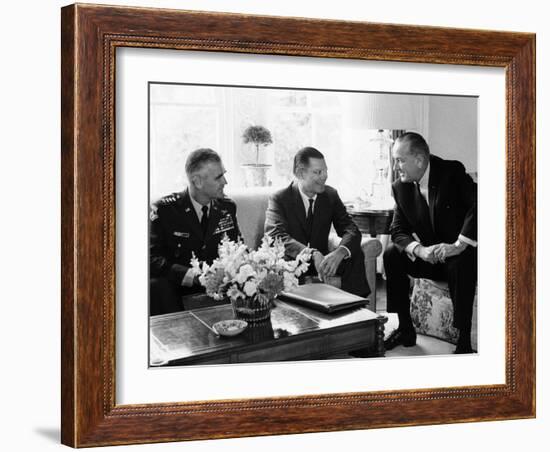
x=463 y=350
x=400 y=337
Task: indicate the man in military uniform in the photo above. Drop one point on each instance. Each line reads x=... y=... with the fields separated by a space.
x=192 y=221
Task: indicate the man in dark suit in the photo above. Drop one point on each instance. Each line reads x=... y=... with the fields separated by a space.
x=434 y=234
x=302 y=214
x=192 y=221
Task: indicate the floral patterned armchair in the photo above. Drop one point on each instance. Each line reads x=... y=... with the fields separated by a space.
x=432 y=311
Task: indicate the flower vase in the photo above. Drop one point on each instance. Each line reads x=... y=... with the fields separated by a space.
x=260 y=332
x=252 y=309
x=256 y=175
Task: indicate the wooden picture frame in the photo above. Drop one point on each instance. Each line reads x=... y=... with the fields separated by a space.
x=90 y=37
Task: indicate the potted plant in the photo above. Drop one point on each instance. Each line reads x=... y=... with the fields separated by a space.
x=258 y=135
x=256 y=173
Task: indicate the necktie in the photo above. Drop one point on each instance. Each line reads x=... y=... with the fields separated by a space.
x=424 y=210
x=204 y=219
x=309 y=220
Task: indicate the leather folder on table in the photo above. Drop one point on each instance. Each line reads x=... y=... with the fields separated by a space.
x=323 y=297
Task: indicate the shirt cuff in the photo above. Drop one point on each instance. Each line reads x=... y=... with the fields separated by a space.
x=410 y=248
x=347 y=249
x=466 y=240
x=187 y=280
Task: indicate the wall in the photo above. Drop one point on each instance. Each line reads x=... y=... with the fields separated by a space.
x=30 y=269
x=453 y=129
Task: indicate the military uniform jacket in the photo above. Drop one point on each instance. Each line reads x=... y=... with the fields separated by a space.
x=175 y=233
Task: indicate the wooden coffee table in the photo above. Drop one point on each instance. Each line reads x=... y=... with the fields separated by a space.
x=293 y=333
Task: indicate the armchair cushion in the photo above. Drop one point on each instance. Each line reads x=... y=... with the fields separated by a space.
x=432 y=311
x=251 y=207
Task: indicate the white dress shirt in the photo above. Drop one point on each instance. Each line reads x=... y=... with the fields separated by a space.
x=198 y=208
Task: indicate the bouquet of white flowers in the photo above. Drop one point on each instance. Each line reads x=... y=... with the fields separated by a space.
x=251 y=279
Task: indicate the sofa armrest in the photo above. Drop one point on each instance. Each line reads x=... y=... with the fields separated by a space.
x=372 y=248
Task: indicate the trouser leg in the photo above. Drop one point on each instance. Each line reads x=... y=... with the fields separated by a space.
x=462 y=278
x=399 y=267
x=397 y=280
x=164 y=297
x=354 y=276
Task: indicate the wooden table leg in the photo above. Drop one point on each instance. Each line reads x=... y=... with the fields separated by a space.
x=380 y=322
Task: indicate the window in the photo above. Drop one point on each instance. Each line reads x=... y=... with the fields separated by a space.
x=187 y=117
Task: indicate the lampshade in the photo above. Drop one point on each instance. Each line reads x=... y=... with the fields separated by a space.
x=387 y=111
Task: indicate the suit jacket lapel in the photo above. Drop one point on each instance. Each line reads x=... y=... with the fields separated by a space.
x=433 y=188
x=189 y=214
x=421 y=210
x=298 y=207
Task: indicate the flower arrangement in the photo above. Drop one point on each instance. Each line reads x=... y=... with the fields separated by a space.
x=252 y=277
x=258 y=135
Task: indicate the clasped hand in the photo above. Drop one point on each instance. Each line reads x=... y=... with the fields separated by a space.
x=437 y=253
x=327 y=266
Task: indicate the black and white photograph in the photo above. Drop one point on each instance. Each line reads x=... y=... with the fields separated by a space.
x=291 y=224
x=122 y=122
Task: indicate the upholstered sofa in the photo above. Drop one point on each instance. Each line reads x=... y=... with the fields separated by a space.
x=251 y=208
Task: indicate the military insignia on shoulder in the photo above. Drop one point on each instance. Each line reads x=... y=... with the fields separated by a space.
x=153 y=215
x=168 y=199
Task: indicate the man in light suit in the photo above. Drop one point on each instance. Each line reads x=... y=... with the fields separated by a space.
x=302 y=214
x=434 y=235
x=191 y=221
